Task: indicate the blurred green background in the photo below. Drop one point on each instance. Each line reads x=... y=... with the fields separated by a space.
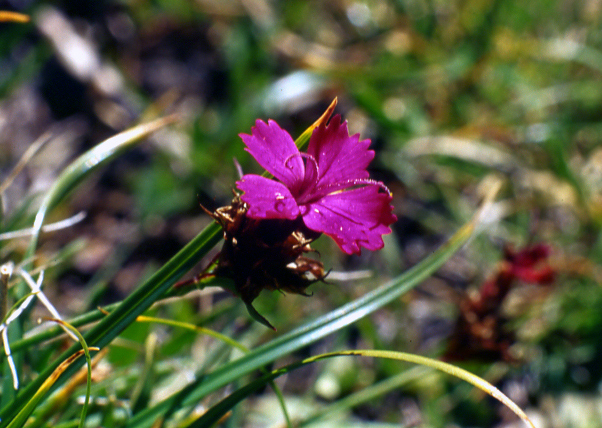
x=455 y=95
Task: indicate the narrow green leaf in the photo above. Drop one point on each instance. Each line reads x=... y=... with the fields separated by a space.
x=86 y=350
x=25 y=411
x=220 y=409
x=79 y=169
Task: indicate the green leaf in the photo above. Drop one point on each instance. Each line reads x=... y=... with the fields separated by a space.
x=216 y=412
x=29 y=406
x=79 y=169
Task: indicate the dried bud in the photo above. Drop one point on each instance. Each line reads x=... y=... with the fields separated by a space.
x=265 y=253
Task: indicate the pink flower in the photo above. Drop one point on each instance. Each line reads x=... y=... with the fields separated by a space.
x=328 y=187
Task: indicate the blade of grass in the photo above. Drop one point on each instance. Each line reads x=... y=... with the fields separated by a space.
x=77 y=171
x=62 y=224
x=86 y=350
x=216 y=412
x=21 y=417
x=197 y=329
x=29 y=153
x=59 y=401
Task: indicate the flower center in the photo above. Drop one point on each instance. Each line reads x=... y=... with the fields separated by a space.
x=311 y=174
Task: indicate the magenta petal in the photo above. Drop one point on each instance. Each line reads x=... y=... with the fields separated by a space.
x=341 y=158
x=354 y=218
x=275 y=150
x=267 y=198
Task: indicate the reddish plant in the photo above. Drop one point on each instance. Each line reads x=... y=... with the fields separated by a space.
x=479 y=332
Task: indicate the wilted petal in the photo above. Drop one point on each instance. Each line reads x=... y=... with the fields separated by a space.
x=267 y=198
x=341 y=158
x=275 y=150
x=354 y=218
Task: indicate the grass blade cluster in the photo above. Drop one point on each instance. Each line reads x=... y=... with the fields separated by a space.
x=306 y=334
